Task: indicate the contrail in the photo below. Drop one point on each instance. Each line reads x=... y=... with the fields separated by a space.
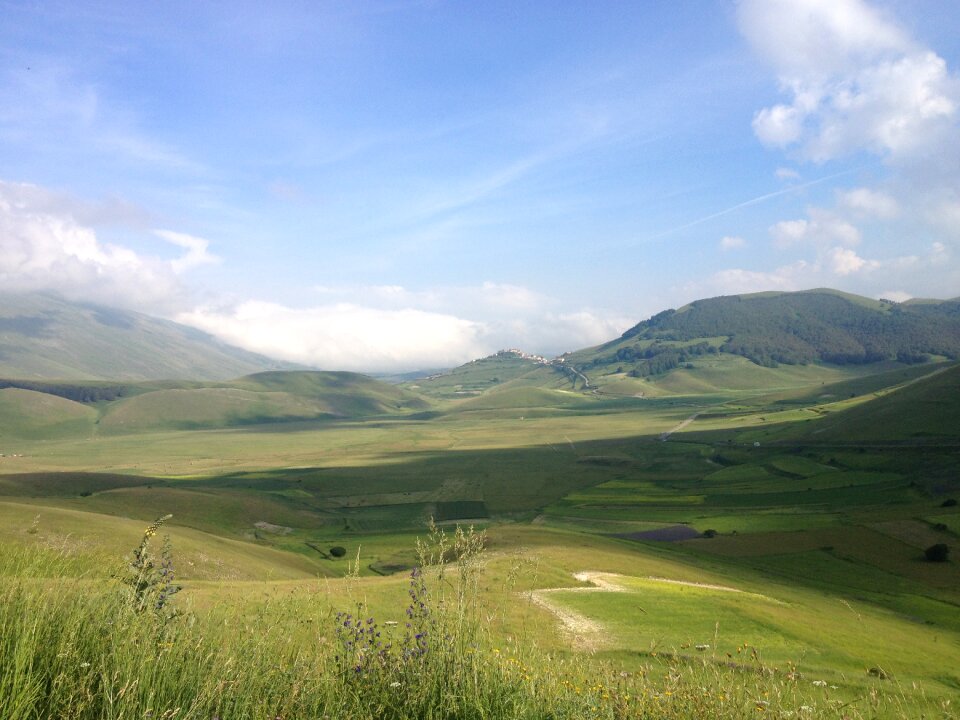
x=754 y=201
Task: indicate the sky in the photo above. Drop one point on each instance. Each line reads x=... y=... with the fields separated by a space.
x=395 y=185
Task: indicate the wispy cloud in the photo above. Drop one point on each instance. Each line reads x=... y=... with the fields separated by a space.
x=748 y=203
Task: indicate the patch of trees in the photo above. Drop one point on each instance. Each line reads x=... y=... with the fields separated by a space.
x=800 y=328
x=937 y=553
x=655 y=359
x=71 y=391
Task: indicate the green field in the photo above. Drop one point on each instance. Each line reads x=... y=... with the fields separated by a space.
x=821 y=499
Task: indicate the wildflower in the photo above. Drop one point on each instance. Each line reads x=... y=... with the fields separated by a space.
x=819 y=683
x=395 y=684
x=702 y=647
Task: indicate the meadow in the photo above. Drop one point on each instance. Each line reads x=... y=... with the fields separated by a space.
x=766 y=558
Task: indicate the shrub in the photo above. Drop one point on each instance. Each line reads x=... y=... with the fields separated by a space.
x=710 y=533
x=150 y=577
x=937 y=553
x=949 y=502
x=337 y=551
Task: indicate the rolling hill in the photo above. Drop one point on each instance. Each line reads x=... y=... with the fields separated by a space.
x=770 y=329
x=763 y=342
x=31 y=409
x=43 y=336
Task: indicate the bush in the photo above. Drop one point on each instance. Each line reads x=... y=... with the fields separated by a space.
x=337 y=551
x=949 y=502
x=709 y=533
x=937 y=553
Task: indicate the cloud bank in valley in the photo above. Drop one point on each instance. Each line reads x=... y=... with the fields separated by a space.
x=46 y=246
x=396 y=329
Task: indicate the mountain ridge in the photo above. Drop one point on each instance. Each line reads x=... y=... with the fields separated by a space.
x=46 y=337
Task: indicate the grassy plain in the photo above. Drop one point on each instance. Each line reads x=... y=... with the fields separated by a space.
x=820 y=517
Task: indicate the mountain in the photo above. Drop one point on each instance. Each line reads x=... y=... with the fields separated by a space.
x=760 y=342
x=793 y=329
x=43 y=336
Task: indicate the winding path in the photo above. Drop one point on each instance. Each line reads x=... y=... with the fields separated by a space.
x=583 y=632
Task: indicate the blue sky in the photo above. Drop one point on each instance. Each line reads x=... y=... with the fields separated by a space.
x=393 y=185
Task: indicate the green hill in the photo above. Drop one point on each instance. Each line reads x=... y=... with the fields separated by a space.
x=922 y=411
x=341 y=393
x=27 y=413
x=744 y=343
x=790 y=328
x=478 y=376
x=32 y=409
x=43 y=336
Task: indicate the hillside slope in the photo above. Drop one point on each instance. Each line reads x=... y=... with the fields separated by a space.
x=794 y=328
x=34 y=409
x=923 y=411
x=46 y=337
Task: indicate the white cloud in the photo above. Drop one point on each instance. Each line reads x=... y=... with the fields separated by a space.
x=844 y=261
x=855 y=81
x=927 y=274
x=895 y=295
x=347 y=336
x=491 y=299
x=817 y=38
x=344 y=336
x=735 y=281
x=786 y=174
x=821 y=227
x=939 y=254
x=943 y=213
x=869 y=203
x=730 y=242
x=779 y=125
x=196 y=250
x=44 y=247
x=789 y=232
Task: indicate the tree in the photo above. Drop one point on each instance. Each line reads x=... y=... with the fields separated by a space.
x=937 y=553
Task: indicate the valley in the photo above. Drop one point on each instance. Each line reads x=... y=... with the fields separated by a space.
x=719 y=514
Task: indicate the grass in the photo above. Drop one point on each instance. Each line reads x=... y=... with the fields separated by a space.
x=820 y=527
x=295 y=656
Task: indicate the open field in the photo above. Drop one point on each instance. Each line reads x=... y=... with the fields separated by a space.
x=824 y=534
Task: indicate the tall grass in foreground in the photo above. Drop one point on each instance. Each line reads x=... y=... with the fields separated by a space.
x=106 y=650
